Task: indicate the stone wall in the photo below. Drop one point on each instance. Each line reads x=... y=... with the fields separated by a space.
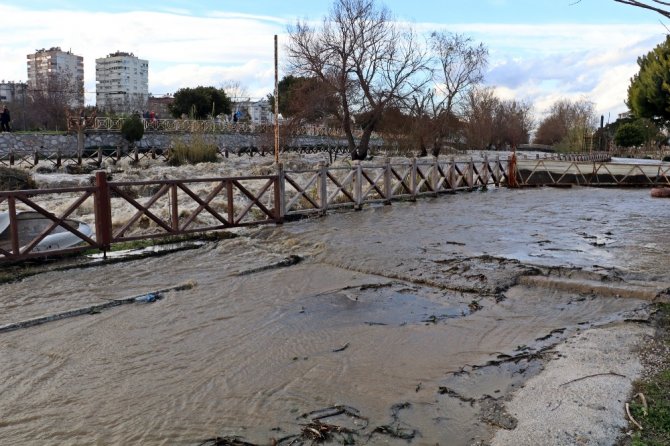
x=28 y=143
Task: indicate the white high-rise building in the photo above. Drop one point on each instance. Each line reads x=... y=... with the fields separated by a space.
x=122 y=83
x=57 y=74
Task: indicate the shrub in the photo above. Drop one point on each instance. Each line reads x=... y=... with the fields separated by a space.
x=132 y=129
x=15 y=179
x=195 y=151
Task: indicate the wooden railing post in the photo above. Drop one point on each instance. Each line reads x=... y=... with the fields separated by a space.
x=11 y=156
x=103 y=212
x=413 y=179
x=511 y=171
x=433 y=175
x=387 y=181
x=280 y=194
x=358 y=186
x=496 y=172
x=471 y=174
x=36 y=157
x=13 y=226
x=174 y=207
x=485 y=175
x=452 y=174
x=323 y=187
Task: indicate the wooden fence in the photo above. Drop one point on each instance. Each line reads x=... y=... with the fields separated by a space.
x=99 y=155
x=166 y=208
x=134 y=210
x=584 y=173
x=163 y=208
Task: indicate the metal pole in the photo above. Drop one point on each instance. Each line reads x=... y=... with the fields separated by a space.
x=276 y=104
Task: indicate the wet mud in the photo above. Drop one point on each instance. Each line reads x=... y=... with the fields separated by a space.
x=406 y=324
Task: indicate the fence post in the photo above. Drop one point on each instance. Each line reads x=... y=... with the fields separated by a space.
x=413 y=184
x=511 y=171
x=433 y=176
x=485 y=176
x=11 y=156
x=387 y=181
x=496 y=172
x=13 y=226
x=323 y=187
x=471 y=174
x=231 y=201
x=36 y=157
x=358 y=186
x=59 y=161
x=174 y=207
x=452 y=174
x=280 y=188
x=103 y=212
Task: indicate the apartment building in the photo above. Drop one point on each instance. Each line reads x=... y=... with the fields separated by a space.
x=57 y=73
x=12 y=91
x=122 y=83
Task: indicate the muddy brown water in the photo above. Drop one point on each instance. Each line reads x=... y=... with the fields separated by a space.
x=408 y=314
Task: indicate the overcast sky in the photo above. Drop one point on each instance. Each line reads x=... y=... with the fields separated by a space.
x=540 y=50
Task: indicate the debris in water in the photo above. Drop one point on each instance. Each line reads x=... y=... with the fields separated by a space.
x=148 y=298
x=474 y=306
x=225 y=441
x=288 y=261
x=341 y=349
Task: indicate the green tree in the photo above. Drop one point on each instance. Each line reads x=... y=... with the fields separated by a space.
x=649 y=90
x=629 y=135
x=200 y=102
x=132 y=129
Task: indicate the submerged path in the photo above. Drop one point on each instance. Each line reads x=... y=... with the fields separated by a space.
x=410 y=316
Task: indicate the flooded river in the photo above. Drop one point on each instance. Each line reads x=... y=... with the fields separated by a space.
x=398 y=323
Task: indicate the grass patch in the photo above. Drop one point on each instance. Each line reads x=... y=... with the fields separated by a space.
x=656 y=389
x=197 y=150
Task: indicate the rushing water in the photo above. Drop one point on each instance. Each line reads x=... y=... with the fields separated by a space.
x=387 y=304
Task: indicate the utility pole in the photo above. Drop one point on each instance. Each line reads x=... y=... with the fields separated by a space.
x=276 y=103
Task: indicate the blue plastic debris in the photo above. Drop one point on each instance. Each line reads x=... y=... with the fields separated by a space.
x=147 y=298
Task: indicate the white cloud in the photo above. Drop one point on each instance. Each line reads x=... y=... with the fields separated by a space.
x=535 y=62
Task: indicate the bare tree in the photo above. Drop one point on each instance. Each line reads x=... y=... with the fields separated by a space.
x=491 y=122
x=567 y=123
x=460 y=67
x=47 y=107
x=480 y=114
x=367 y=61
x=658 y=6
x=235 y=91
x=513 y=123
x=650 y=5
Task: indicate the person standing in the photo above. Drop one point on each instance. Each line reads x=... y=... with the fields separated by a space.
x=5 y=119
